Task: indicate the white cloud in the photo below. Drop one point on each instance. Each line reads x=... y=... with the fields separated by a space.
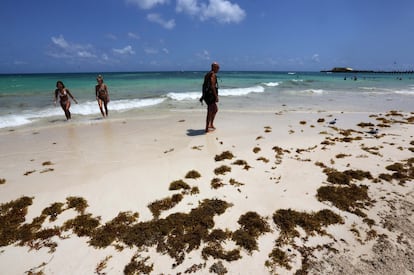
x=165 y=50
x=156 y=18
x=188 y=6
x=315 y=58
x=221 y=10
x=125 y=51
x=133 y=35
x=111 y=36
x=205 y=55
x=64 y=49
x=150 y=51
x=147 y=4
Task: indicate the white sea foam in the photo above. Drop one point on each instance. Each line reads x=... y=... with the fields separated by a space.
x=271 y=84
x=405 y=92
x=86 y=108
x=222 y=92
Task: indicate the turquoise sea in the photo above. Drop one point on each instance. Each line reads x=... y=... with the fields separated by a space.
x=26 y=99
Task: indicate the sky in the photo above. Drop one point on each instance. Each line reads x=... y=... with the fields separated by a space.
x=47 y=36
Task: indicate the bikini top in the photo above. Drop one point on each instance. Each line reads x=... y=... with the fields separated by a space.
x=63 y=95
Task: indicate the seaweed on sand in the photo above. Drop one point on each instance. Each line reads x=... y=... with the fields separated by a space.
x=224 y=155
x=216 y=183
x=256 y=150
x=242 y=163
x=193 y=174
x=161 y=205
x=12 y=215
x=82 y=225
x=113 y=230
x=2 y=181
x=278 y=257
x=80 y=204
x=178 y=184
x=234 y=182
x=222 y=170
x=345 y=177
x=216 y=251
x=252 y=225
x=402 y=172
x=287 y=220
x=53 y=210
x=350 y=198
x=138 y=265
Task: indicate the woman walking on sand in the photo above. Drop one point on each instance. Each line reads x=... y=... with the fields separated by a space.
x=63 y=95
x=102 y=95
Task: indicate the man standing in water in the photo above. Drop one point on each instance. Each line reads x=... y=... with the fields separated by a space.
x=210 y=95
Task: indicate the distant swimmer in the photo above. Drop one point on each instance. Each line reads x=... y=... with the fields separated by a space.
x=102 y=95
x=63 y=95
x=332 y=122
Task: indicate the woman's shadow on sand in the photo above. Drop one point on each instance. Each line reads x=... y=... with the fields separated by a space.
x=193 y=132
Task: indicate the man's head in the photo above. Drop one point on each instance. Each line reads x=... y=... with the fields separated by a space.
x=215 y=66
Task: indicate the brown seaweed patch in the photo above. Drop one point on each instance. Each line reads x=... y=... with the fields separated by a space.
x=218 y=268
x=2 y=181
x=320 y=120
x=80 y=204
x=113 y=230
x=224 y=155
x=287 y=220
x=216 y=251
x=252 y=225
x=345 y=177
x=178 y=184
x=372 y=150
x=265 y=160
x=138 y=265
x=193 y=174
x=256 y=150
x=365 y=124
x=197 y=147
x=394 y=113
x=242 y=163
x=268 y=129
x=222 y=170
x=46 y=163
x=12 y=215
x=402 y=171
x=278 y=257
x=350 y=198
x=53 y=210
x=194 y=190
x=341 y=156
x=29 y=172
x=234 y=182
x=302 y=122
x=165 y=204
x=102 y=265
x=216 y=183
x=82 y=225
x=47 y=170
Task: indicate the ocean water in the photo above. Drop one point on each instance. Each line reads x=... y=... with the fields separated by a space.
x=27 y=99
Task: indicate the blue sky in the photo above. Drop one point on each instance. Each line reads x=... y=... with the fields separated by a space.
x=158 y=35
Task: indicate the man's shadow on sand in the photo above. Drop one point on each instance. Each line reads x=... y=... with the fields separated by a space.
x=193 y=133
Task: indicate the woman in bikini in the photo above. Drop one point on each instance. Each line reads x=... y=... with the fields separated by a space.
x=102 y=95
x=63 y=95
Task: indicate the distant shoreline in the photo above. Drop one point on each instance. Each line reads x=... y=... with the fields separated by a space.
x=339 y=70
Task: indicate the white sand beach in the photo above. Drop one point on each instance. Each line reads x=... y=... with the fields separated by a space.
x=294 y=195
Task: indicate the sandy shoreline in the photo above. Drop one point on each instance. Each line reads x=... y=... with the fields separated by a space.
x=126 y=164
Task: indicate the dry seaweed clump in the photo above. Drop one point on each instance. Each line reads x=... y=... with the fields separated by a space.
x=345 y=177
x=222 y=170
x=287 y=220
x=178 y=184
x=350 y=198
x=402 y=172
x=242 y=163
x=80 y=204
x=224 y=155
x=82 y=225
x=278 y=257
x=2 y=181
x=12 y=215
x=165 y=204
x=252 y=225
x=137 y=265
x=53 y=210
x=193 y=174
x=216 y=183
x=113 y=230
